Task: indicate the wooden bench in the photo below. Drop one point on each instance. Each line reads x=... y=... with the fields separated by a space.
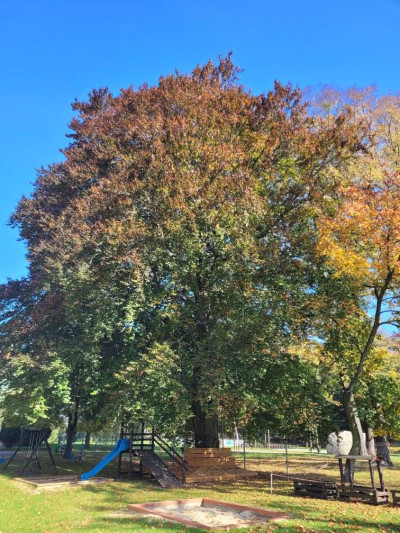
x=326 y=490
x=362 y=493
x=395 y=496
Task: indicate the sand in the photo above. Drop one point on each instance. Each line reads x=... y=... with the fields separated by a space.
x=213 y=517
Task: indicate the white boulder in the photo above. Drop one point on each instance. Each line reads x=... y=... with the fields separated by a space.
x=339 y=443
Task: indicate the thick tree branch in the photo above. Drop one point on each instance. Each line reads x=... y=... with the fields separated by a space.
x=375 y=326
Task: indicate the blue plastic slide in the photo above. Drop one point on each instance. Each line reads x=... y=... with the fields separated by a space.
x=121 y=446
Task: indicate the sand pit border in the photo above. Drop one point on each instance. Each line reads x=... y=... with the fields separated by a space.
x=151 y=508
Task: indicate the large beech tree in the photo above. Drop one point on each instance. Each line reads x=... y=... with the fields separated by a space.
x=183 y=220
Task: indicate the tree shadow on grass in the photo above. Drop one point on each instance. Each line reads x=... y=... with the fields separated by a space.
x=347 y=525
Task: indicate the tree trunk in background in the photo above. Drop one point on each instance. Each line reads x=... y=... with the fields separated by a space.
x=382 y=450
x=370 y=441
x=87 y=441
x=71 y=431
x=205 y=426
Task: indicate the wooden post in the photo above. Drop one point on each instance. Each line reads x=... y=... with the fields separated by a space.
x=244 y=453
x=371 y=473
x=351 y=473
x=121 y=435
x=51 y=456
x=378 y=465
x=131 y=453
x=24 y=438
x=183 y=471
x=269 y=440
x=119 y=471
x=287 y=458
x=342 y=481
x=141 y=447
x=142 y=436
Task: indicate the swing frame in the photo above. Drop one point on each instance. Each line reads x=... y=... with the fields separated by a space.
x=34 y=438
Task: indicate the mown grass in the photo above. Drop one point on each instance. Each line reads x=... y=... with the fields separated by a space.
x=101 y=508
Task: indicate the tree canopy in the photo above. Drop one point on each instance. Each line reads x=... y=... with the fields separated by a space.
x=181 y=247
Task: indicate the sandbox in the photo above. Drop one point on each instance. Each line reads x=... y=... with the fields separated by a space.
x=208 y=514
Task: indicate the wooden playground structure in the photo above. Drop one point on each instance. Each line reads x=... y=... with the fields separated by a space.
x=150 y=454
x=213 y=464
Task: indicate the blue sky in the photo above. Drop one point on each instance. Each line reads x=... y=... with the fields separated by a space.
x=53 y=51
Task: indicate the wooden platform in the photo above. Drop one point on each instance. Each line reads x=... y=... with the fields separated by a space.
x=209 y=457
x=213 y=464
x=205 y=475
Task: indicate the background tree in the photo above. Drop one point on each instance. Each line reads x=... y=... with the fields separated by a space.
x=359 y=236
x=294 y=401
x=379 y=394
x=33 y=377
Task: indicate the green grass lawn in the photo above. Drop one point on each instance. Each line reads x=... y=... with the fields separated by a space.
x=101 y=507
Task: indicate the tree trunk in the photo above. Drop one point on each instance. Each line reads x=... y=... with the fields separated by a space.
x=382 y=450
x=205 y=426
x=353 y=420
x=87 y=441
x=71 y=431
